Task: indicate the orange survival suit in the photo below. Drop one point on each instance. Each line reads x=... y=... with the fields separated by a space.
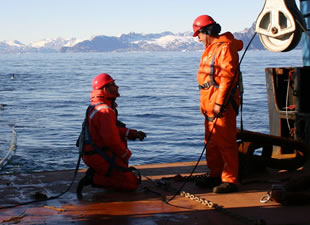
x=108 y=135
x=218 y=66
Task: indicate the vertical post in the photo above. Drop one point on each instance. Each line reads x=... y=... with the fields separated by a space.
x=305 y=10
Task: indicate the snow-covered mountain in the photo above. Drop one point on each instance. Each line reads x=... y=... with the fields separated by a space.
x=45 y=45
x=55 y=43
x=11 y=46
x=166 y=41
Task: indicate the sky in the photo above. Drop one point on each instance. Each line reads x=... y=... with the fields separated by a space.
x=33 y=20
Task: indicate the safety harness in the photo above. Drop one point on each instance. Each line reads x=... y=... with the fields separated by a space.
x=212 y=82
x=85 y=138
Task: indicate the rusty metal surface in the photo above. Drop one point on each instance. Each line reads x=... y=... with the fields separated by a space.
x=100 y=206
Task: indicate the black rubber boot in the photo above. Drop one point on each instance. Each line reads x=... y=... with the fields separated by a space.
x=225 y=188
x=85 y=181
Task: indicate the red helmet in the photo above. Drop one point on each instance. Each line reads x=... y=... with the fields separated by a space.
x=100 y=80
x=200 y=22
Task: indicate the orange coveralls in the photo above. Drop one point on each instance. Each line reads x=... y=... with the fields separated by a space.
x=106 y=134
x=222 y=149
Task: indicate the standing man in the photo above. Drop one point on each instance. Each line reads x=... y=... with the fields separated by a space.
x=218 y=77
x=104 y=145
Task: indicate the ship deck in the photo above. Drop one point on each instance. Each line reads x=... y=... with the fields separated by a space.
x=148 y=205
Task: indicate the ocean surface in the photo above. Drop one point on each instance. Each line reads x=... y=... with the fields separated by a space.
x=47 y=99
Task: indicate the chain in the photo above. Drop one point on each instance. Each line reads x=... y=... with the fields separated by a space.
x=221 y=209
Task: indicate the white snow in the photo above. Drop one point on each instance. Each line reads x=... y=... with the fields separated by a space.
x=13 y=43
x=55 y=43
x=168 y=40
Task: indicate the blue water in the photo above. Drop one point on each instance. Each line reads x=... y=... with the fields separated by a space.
x=47 y=99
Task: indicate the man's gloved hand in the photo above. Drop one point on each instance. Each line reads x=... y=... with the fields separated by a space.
x=134 y=134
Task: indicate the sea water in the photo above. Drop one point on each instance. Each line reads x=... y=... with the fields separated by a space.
x=47 y=97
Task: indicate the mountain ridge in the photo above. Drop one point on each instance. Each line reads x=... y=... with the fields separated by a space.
x=165 y=41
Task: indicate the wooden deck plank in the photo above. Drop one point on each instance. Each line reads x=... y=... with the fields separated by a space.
x=100 y=206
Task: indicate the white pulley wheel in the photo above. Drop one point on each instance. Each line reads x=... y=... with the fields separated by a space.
x=279 y=44
x=277 y=27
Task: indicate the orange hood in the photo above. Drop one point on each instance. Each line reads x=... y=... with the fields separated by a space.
x=228 y=37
